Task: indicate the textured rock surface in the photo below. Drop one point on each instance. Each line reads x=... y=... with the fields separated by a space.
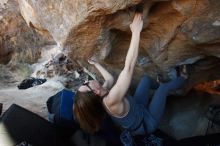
x=18 y=42
x=175 y=32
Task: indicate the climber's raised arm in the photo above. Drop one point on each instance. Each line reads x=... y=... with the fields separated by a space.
x=117 y=93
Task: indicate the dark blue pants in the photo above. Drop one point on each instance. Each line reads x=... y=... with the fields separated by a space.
x=157 y=105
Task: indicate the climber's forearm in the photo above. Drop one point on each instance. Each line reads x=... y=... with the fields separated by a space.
x=109 y=80
x=132 y=54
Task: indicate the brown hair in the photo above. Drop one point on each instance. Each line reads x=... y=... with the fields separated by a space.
x=88 y=111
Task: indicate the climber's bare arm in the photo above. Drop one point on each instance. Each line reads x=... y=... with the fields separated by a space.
x=115 y=99
x=109 y=80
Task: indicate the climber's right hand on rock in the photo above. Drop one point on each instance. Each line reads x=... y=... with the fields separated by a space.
x=137 y=24
x=92 y=60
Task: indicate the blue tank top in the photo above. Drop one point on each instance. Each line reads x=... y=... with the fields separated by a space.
x=135 y=118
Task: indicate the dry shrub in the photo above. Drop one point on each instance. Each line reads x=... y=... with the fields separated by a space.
x=4 y=73
x=25 y=56
x=21 y=71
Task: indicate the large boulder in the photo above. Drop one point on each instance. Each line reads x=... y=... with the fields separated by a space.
x=175 y=32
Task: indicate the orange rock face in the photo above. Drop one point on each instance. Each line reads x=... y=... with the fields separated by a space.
x=175 y=31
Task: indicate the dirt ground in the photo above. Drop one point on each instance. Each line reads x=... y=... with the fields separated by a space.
x=33 y=99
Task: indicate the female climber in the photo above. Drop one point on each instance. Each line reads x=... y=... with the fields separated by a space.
x=135 y=113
